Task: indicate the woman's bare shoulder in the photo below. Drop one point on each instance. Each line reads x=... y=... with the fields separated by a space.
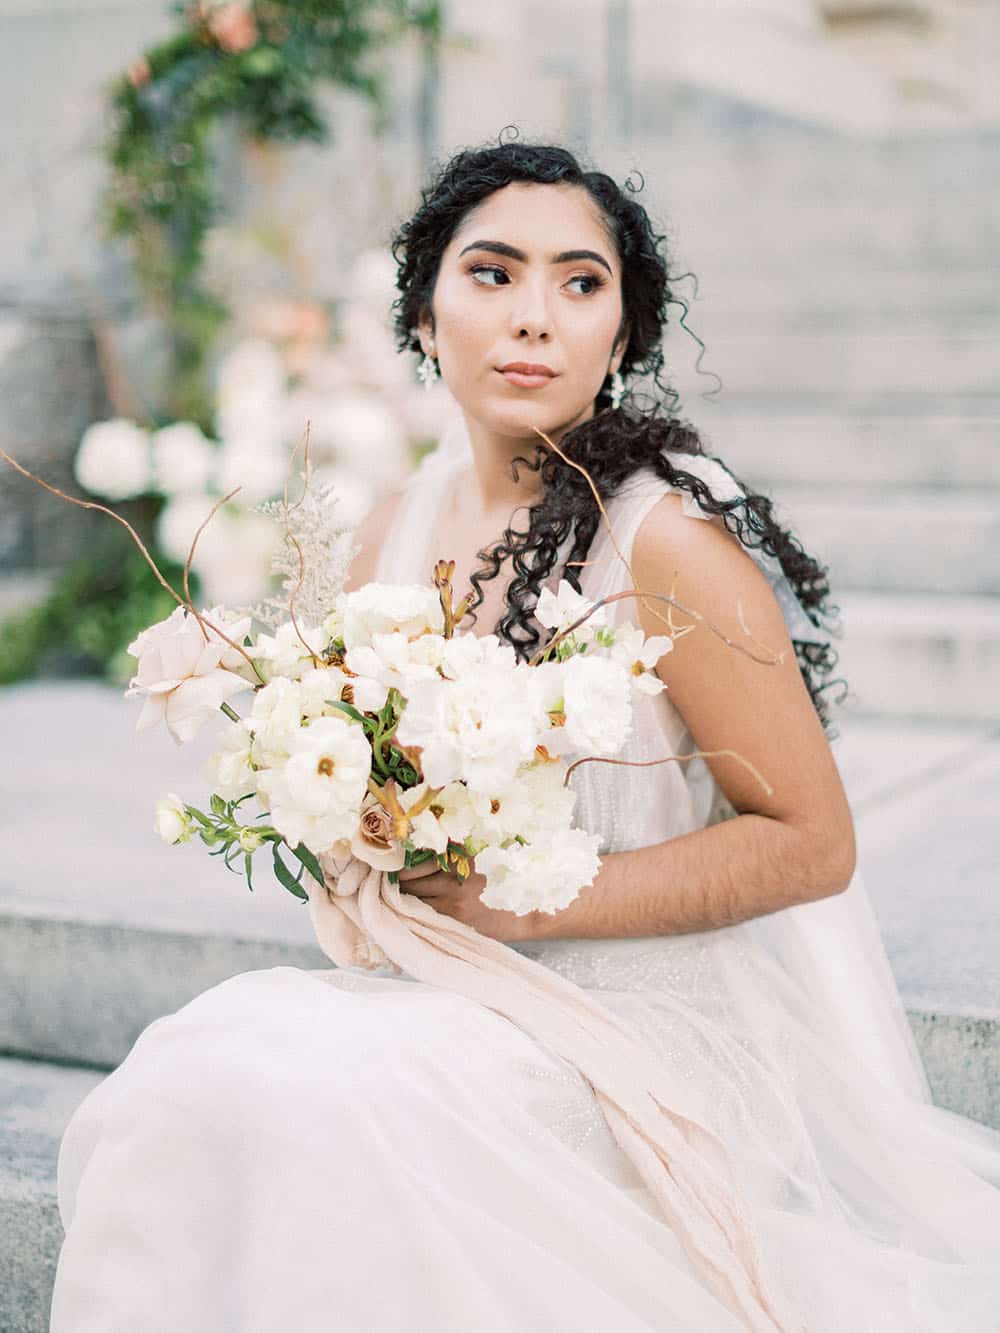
x=369 y=536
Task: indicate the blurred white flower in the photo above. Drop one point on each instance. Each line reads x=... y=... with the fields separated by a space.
x=179 y=520
x=254 y=460
x=373 y=281
x=427 y=414
x=113 y=460
x=182 y=675
x=234 y=554
x=354 y=495
x=315 y=797
x=183 y=459
x=364 y=432
x=542 y=876
x=172 y=822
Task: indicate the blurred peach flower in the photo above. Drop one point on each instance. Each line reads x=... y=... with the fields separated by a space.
x=233 y=27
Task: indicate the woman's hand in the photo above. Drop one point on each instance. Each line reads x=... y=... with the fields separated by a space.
x=460 y=899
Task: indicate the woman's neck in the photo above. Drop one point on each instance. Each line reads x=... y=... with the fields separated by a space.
x=496 y=490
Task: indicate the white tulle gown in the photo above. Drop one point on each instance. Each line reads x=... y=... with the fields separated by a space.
x=337 y=1149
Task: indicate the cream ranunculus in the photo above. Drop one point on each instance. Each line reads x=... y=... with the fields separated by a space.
x=172 y=822
x=229 y=770
x=184 y=672
x=113 y=460
x=316 y=796
x=283 y=654
x=380 y=608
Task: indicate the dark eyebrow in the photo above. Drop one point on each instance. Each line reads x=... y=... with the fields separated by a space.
x=501 y=248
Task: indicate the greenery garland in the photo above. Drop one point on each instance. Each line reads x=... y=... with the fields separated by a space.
x=260 y=60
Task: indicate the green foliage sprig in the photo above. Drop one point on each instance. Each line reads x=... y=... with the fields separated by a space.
x=262 y=62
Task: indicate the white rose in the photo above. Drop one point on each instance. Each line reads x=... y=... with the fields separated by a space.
x=113 y=460
x=183 y=459
x=184 y=672
x=316 y=796
x=598 y=705
x=539 y=877
x=172 y=821
x=363 y=433
x=380 y=608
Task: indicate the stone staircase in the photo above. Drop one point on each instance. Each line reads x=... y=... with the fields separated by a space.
x=103 y=928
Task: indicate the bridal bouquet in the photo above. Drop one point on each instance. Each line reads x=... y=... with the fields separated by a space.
x=388 y=734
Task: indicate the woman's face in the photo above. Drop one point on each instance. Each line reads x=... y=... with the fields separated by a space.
x=530 y=276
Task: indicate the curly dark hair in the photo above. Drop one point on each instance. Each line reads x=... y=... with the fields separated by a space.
x=613 y=444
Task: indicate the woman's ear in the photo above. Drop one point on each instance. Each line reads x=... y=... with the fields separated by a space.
x=618 y=354
x=425 y=332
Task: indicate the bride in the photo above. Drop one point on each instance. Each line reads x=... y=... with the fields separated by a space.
x=363 y=1150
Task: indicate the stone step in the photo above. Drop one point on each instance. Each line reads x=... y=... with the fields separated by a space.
x=843 y=363
x=910 y=655
x=821 y=451
x=36 y=1102
x=898 y=540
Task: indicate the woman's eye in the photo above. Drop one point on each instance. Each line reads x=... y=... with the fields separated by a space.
x=594 y=281
x=487 y=268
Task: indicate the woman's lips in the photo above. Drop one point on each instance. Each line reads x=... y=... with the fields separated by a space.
x=526 y=381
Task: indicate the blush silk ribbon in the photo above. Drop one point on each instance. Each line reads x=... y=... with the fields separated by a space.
x=361 y=919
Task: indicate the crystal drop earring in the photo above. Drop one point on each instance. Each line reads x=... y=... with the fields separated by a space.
x=617 y=390
x=427 y=371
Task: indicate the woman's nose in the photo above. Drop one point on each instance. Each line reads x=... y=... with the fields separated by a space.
x=530 y=312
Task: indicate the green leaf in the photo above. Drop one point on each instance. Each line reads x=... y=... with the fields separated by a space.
x=247 y=867
x=351 y=711
x=309 y=862
x=285 y=877
x=218 y=804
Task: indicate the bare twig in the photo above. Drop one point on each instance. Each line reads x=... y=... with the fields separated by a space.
x=670 y=759
x=675 y=632
x=101 y=509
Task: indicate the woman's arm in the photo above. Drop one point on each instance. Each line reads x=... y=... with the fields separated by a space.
x=792 y=846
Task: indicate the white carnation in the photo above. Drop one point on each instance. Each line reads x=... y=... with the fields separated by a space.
x=113 y=460
x=477 y=729
x=183 y=459
x=539 y=877
x=316 y=796
x=598 y=705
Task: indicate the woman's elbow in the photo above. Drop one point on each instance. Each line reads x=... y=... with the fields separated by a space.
x=831 y=861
